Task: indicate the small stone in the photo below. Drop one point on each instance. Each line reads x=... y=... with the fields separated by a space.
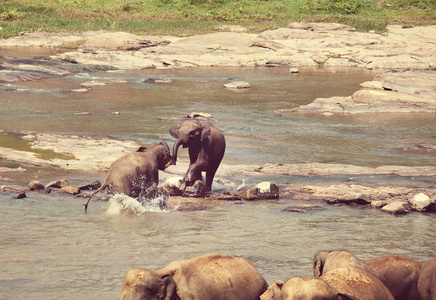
x=398 y=207
x=21 y=195
x=79 y=90
x=92 y=83
x=36 y=186
x=237 y=85
x=90 y=185
x=420 y=201
x=57 y=184
x=264 y=190
x=173 y=185
x=69 y=190
x=294 y=70
x=198 y=190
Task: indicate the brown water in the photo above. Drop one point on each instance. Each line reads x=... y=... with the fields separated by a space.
x=50 y=249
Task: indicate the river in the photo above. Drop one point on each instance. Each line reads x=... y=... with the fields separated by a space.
x=50 y=249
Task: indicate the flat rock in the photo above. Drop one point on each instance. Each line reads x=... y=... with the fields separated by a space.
x=397 y=207
x=297 y=45
x=121 y=41
x=237 y=85
x=391 y=92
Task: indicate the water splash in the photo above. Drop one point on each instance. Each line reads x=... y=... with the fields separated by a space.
x=120 y=204
x=151 y=201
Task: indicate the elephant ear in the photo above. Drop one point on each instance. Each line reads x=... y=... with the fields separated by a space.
x=174 y=131
x=170 y=290
x=318 y=265
x=205 y=132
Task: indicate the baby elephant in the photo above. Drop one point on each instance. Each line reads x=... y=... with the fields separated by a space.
x=212 y=277
x=136 y=174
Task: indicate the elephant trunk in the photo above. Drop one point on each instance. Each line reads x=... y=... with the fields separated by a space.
x=175 y=148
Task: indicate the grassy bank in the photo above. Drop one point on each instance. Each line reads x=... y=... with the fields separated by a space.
x=187 y=17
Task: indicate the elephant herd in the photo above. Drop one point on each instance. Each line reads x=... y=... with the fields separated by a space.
x=136 y=174
x=338 y=275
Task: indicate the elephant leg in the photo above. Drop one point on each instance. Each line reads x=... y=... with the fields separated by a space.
x=210 y=174
x=192 y=175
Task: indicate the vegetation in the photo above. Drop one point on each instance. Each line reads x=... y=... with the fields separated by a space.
x=187 y=17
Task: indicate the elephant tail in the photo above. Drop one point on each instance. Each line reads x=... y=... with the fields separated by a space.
x=95 y=192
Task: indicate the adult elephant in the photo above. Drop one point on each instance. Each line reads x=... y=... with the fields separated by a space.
x=298 y=288
x=324 y=262
x=212 y=277
x=345 y=283
x=136 y=174
x=427 y=280
x=399 y=274
x=356 y=283
x=206 y=146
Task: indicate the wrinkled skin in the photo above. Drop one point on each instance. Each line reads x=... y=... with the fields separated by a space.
x=357 y=284
x=399 y=274
x=298 y=288
x=324 y=262
x=212 y=277
x=136 y=174
x=206 y=146
x=427 y=280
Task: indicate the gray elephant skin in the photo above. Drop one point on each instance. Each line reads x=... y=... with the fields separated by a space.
x=399 y=274
x=136 y=174
x=206 y=146
x=427 y=280
x=344 y=283
x=298 y=288
x=212 y=277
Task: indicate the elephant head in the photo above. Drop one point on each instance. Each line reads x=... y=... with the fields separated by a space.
x=162 y=152
x=190 y=133
x=141 y=284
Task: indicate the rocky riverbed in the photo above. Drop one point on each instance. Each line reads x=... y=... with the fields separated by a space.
x=407 y=56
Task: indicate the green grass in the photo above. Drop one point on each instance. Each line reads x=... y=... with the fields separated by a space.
x=188 y=17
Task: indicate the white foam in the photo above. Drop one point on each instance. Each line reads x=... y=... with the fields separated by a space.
x=120 y=204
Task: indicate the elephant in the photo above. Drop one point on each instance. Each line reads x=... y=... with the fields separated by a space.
x=212 y=277
x=427 y=280
x=298 y=288
x=356 y=283
x=399 y=274
x=206 y=146
x=324 y=262
x=136 y=174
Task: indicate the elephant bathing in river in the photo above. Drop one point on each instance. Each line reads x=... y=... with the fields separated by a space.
x=399 y=274
x=209 y=277
x=136 y=174
x=206 y=149
x=349 y=283
x=427 y=280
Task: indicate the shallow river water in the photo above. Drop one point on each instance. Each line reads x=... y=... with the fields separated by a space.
x=50 y=249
